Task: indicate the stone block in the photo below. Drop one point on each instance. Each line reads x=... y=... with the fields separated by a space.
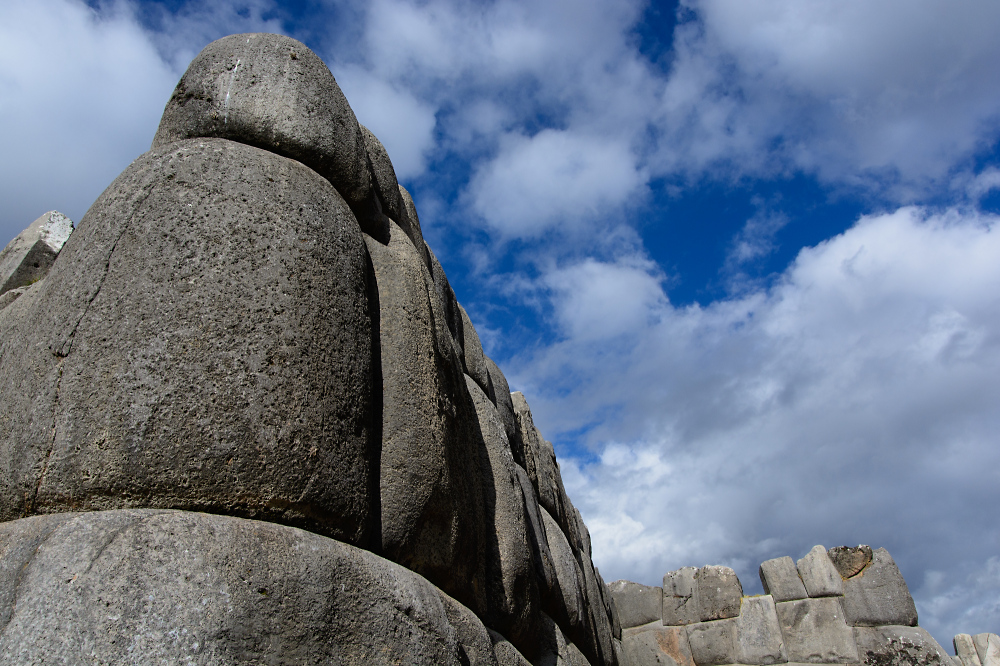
x=637 y=604
x=154 y=586
x=758 y=633
x=680 y=597
x=653 y=644
x=28 y=257
x=719 y=592
x=899 y=646
x=566 y=602
x=987 y=648
x=713 y=642
x=555 y=649
x=384 y=180
x=879 y=595
x=965 y=650
x=474 y=358
x=815 y=632
x=505 y=406
x=850 y=561
x=781 y=579
x=208 y=332
x=820 y=577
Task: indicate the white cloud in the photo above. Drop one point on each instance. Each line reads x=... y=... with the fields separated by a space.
x=854 y=402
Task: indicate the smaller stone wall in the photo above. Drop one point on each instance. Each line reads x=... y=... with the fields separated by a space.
x=842 y=606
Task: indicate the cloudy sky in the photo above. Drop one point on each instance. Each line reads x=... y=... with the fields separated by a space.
x=742 y=257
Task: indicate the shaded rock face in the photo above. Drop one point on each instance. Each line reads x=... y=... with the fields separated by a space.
x=249 y=323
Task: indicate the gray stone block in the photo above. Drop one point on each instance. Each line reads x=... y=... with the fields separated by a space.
x=28 y=257
x=505 y=406
x=383 y=178
x=781 y=579
x=272 y=92
x=505 y=652
x=713 y=642
x=680 y=597
x=653 y=644
x=474 y=358
x=899 y=646
x=567 y=601
x=203 y=342
x=850 y=561
x=820 y=577
x=987 y=648
x=600 y=649
x=719 y=592
x=815 y=632
x=637 y=604
x=432 y=511
x=965 y=650
x=758 y=633
x=448 y=305
x=412 y=227
x=879 y=595
x=8 y=297
x=555 y=649
x=156 y=586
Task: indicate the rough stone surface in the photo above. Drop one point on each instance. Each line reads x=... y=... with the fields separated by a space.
x=474 y=358
x=713 y=642
x=566 y=604
x=652 y=644
x=719 y=592
x=28 y=257
x=600 y=650
x=555 y=649
x=758 y=634
x=512 y=590
x=431 y=506
x=987 y=648
x=411 y=225
x=818 y=574
x=637 y=604
x=505 y=653
x=850 y=561
x=879 y=595
x=175 y=356
x=815 y=632
x=180 y=587
x=8 y=297
x=899 y=646
x=781 y=579
x=272 y=92
x=680 y=597
x=505 y=406
x=384 y=178
x=965 y=650
x=452 y=314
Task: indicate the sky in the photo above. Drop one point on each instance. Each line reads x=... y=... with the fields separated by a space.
x=742 y=257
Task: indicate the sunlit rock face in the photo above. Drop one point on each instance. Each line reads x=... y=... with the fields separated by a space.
x=244 y=419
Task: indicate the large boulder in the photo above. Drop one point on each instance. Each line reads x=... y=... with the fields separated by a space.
x=879 y=595
x=28 y=257
x=819 y=575
x=719 y=592
x=850 y=560
x=150 y=586
x=432 y=513
x=272 y=92
x=781 y=579
x=758 y=635
x=680 y=597
x=899 y=646
x=203 y=342
x=637 y=604
x=815 y=632
x=567 y=602
x=655 y=645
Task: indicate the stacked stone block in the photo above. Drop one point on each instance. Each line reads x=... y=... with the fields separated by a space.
x=848 y=606
x=244 y=419
x=979 y=650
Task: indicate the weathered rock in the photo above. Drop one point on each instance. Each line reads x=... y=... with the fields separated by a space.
x=899 y=646
x=719 y=592
x=512 y=591
x=653 y=643
x=818 y=574
x=713 y=642
x=581 y=531
x=965 y=650
x=566 y=603
x=8 y=297
x=272 y=92
x=179 y=587
x=680 y=597
x=850 y=561
x=384 y=179
x=879 y=595
x=781 y=579
x=431 y=506
x=412 y=226
x=28 y=257
x=474 y=358
x=637 y=604
x=505 y=406
x=600 y=650
x=987 y=648
x=529 y=438
x=758 y=634
x=452 y=314
x=505 y=653
x=815 y=632
x=554 y=648
x=176 y=356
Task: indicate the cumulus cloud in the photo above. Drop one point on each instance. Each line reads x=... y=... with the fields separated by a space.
x=853 y=402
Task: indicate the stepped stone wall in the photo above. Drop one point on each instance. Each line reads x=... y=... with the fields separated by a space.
x=244 y=419
x=848 y=605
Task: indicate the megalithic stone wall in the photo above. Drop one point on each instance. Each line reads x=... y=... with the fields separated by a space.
x=244 y=419
x=842 y=606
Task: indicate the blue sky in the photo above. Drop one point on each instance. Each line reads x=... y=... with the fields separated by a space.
x=742 y=257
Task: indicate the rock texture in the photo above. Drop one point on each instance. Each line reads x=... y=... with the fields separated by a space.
x=638 y=604
x=28 y=257
x=781 y=579
x=879 y=595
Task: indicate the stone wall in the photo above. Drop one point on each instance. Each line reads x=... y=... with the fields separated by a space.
x=842 y=606
x=244 y=419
